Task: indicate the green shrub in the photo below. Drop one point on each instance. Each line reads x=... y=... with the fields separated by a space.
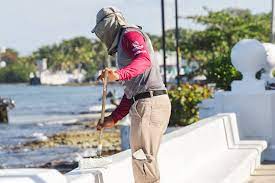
x=185 y=100
x=15 y=73
x=221 y=71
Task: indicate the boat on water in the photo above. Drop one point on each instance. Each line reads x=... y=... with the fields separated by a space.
x=5 y=105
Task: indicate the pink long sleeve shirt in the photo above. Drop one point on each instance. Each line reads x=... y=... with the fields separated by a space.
x=134 y=45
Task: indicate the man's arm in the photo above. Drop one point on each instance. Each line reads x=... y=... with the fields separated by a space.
x=122 y=109
x=120 y=112
x=134 y=45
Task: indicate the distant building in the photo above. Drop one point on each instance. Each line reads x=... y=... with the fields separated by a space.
x=41 y=65
x=171 y=65
x=48 y=77
x=3 y=49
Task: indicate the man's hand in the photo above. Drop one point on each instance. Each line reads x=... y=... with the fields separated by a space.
x=108 y=123
x=112 y=75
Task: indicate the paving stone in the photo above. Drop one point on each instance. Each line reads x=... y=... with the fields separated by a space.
x=264 y=174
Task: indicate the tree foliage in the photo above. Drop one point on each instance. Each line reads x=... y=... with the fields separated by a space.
x=17 y=72
x=68 y=54
x=9 y=56
x=211 y=46
x=223 y=29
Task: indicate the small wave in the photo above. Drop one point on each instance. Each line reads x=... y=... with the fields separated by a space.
x=59 y=113
x=98 y=108
x=39 y=136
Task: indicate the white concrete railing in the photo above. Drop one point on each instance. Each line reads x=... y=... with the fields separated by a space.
x=206 y=152
x=255 y=115
x=31 y=175
x=253 y=105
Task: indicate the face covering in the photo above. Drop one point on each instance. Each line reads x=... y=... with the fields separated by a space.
x=108 y=29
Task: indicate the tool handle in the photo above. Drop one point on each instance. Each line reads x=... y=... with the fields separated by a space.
x=104 y=94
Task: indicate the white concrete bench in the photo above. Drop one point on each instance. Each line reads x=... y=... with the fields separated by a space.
x=206 y=152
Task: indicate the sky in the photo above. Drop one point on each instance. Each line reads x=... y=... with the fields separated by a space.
x=26 y=25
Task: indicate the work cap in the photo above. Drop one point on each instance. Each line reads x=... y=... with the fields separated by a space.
x=105 y=13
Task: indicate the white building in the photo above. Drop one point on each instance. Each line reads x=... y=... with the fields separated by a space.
x=48 y=77
x=171 y=64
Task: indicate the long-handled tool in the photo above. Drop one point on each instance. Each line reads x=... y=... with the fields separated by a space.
x=98 y=161
x=104 y=94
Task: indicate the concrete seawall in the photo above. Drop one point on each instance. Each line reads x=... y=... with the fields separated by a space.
x=209 y=151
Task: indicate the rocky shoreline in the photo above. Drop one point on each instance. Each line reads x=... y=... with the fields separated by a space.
x=81 y=139
x=61 y=149
x=82 y=136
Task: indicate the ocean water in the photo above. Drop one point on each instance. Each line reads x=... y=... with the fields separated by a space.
x=41 y=111
x=48 y=103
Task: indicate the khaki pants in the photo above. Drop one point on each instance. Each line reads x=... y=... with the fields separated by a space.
x=149 y=120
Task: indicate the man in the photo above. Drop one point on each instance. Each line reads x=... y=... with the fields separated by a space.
x=145 y=96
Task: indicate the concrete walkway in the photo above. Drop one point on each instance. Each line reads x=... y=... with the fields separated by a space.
x=264 y=174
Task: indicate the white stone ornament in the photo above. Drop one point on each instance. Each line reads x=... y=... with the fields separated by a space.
x=269 y=62
x=248 y=56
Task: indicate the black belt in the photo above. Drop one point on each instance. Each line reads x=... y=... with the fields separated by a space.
x=148 y=95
